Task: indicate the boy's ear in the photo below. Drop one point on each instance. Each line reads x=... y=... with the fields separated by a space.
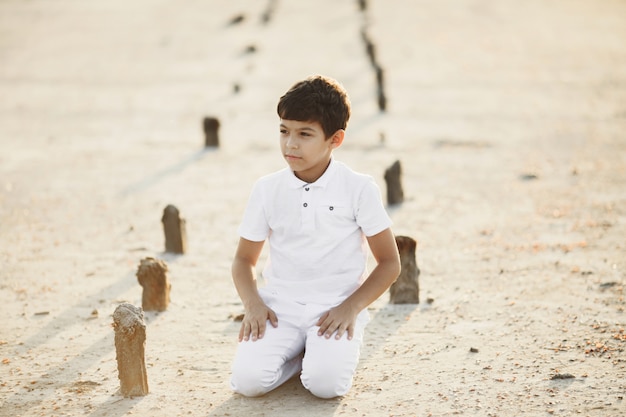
x=337 y=138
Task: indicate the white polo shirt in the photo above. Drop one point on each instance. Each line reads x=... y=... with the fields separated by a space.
x=316 y=232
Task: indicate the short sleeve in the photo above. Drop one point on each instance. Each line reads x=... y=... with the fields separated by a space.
x=254 y=226
x=371 y=215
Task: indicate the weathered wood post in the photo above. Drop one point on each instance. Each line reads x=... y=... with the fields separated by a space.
x=152 y=276
x=406 y=289
x=130 y=343
x=380 y=88
x=211 y=125
x=175 y=231
x=370 y=48
x=395 y=194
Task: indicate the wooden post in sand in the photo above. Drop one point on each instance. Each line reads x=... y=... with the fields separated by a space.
x=395 y=194
x=152 y=276
x=174 y=228
x=406 y=289
x=130 y=343
x=210 y=125
x=380 y=88
x=370 y=49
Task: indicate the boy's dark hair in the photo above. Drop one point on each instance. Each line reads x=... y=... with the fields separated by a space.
x=317 y=99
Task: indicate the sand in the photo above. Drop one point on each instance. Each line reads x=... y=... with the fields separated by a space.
x=508 y=118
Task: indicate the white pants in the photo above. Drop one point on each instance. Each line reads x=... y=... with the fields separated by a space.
x=326 y=365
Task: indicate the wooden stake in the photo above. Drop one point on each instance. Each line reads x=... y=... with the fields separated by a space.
x=175 y=231
x=406 y=289
x=380 y=87
x=395 y=194
x=211 y=125
x=382 y=99
x=152 y=276
x=130 y=343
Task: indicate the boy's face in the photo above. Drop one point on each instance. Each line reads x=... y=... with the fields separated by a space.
x=306 y=149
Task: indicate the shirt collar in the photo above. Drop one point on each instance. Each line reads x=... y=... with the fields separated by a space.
x=322 y=181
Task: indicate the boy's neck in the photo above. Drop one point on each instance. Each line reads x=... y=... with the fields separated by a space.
x=311 y=180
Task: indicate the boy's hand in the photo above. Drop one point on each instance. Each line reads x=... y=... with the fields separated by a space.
x=341 y=319
x=254 y=321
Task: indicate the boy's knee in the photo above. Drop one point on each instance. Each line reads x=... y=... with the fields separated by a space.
x=249 y=382
x=326 y=385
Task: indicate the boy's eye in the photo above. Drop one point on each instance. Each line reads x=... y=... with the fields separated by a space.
x=283 y=131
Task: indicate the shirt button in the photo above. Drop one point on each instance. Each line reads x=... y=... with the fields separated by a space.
x=306 y=189
x=305 y=205
x=331 y=208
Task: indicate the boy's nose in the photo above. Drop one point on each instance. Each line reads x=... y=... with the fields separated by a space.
x=291 y=143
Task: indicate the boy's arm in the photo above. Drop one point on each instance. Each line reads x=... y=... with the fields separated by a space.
x=244 y=277
x=343 y=317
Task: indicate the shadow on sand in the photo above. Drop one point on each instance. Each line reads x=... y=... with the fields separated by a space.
x=158 y=176
x=290 y=399
x=385 y=323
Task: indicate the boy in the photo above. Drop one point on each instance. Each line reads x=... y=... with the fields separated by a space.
x=318 y=217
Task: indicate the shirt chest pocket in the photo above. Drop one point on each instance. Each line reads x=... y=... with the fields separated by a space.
x=334 y=214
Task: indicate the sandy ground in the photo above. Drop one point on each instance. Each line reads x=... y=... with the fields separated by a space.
x=508 y=118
